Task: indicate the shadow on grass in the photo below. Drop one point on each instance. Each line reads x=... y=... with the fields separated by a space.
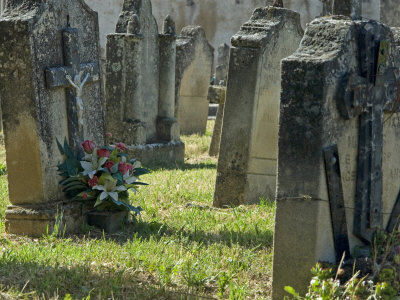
x=246 y=239
x=37 y=281
x=156 y=166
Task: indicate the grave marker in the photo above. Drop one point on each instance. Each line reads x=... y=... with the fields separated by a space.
x=249 y=141
x=35 y=107
x=338 y=137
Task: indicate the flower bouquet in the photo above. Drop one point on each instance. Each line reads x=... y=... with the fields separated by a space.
x=103 y=174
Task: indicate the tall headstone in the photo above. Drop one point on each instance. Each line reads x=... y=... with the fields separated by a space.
x=221 y=71
x=140 y=85
x=216 y=137
x=338 y=177
x=249 y=142
x=194 y=60
x=50 y=89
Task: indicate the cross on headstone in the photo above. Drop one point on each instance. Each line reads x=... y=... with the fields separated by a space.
x=73 y=76
x=368 y=96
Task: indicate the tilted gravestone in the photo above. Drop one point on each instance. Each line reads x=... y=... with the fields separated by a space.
x=140 y=85
x=221 y=71
x=220 y=91
x=194 y=60
x=249 y=141
x=338 y=169
x=50 y=90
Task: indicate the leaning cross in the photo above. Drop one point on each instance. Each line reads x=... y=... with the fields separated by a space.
x=73 y=76
x=368 y=96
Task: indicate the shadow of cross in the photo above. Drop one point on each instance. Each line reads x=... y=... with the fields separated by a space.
x=369 y=97
x=73 y=77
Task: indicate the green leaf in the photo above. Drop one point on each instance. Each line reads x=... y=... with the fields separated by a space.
x=291 y=291
x=114 y=168
x=140 y=171
x=68 y=150
x=60 y=148
x=122 y=154
x=70 y=179
x=119 y=177
x=98 y=202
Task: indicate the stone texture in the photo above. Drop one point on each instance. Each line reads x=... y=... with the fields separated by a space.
x=31 y=42
x=309 y=122
x=216 y=137
x=194 y=60
x=390 y=12
x=140 y=82
x=249 y=140
x=221 y=71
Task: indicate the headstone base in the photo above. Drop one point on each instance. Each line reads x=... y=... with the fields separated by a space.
x=38 y=220
x=159 y=152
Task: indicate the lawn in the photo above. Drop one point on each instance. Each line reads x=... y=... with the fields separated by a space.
x=180 y=248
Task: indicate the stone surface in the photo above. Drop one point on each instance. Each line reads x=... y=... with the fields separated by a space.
x=249 y=139
x=390 y=12
x=309 y=122
x=216 y=137
x=194 y=60
x=221 y=71
x=34 y=113
x=140 y=82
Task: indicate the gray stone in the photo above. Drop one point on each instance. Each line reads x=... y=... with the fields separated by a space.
x=390 y=12
x=34 y=110
x=140 y=82
x=221 y=71
x=312 y=119
x=249 y=140
x=216 y=137
x=194 y=60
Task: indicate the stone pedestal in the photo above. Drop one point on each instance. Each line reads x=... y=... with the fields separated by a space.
x=140 y=85
x=249 y=140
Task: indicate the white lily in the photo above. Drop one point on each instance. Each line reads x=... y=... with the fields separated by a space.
x=90 y=168
x=109 y=188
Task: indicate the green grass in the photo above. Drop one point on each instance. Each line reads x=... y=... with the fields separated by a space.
x=181 y=248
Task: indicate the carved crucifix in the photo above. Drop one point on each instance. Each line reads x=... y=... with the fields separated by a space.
x=73 y=77
x=369 y=94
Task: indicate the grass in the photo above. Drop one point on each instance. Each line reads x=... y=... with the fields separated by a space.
x=181 y=248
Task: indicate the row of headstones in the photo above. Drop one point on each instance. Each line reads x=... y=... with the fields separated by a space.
x=311 y=120
x=51 y=89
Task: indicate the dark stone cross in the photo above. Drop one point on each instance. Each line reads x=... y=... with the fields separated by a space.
x=369 y=96
x=73 y=76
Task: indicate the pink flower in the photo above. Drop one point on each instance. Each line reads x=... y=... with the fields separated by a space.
x=130 y=167
x=121 y=146
x=84 y=196
x=94 y=181
x=88 y=146
x=109 y=165
x=123 y=167
x=103 y=153
x=109 y=134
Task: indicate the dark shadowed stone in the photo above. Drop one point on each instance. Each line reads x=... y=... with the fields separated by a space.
x=221 y=71
x=35 y=114
x=249 y=140
x=310 y=121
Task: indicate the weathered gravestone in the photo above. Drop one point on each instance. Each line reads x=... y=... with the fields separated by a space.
x=216 y=137
x=140 y=85
x=221 y=71
x=50 y=90
x=339 y=135
x=194 y=60
x=249 y=142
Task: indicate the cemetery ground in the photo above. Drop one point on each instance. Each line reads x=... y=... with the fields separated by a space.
x=180 y=248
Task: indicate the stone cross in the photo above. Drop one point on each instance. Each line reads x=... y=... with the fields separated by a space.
x=73 y=76
x=369 y=96
x=351 y=8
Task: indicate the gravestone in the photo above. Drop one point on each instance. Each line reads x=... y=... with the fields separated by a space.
x=140 y=85
x=249 y=140
x=194 y=60
x=216 y=137
x=50 y=90
x=338 y=169
x=221 y=71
